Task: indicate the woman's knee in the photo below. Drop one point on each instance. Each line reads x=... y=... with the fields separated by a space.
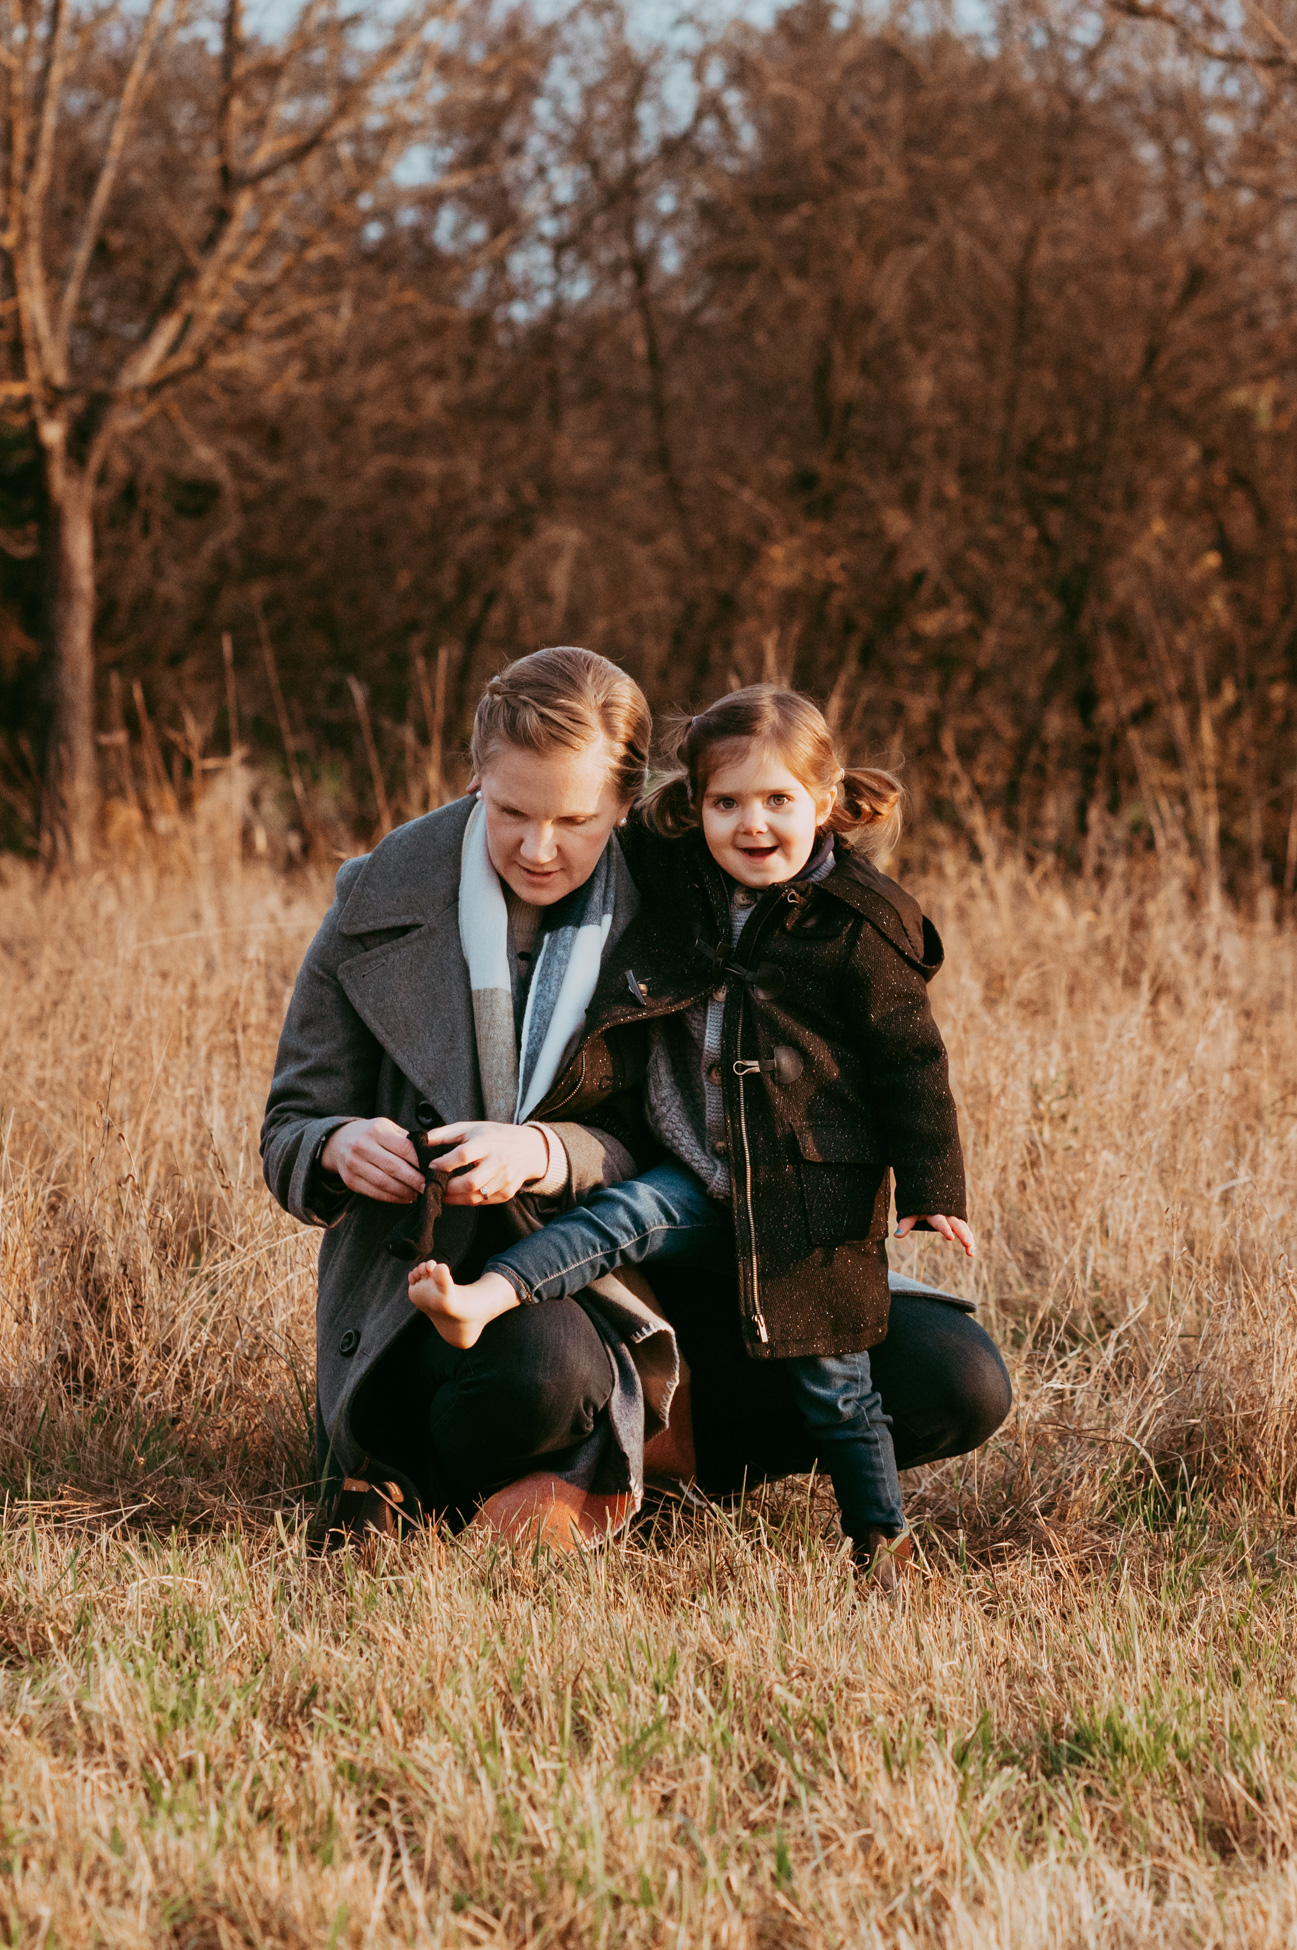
x=942 y=1380
x=986 y=1393
x=970 y=1388
x=539 y=1376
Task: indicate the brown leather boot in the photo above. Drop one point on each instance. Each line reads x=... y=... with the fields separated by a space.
x=883 y=1561
x=363 y=1510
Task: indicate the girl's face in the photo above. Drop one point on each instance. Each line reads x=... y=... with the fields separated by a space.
x=548 y=817
x=759 y=820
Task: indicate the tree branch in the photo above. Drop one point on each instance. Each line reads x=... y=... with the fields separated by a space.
x=1228 y=57
x=119 y=135
x=227 y=121
x=33 y=191
x=197 y=290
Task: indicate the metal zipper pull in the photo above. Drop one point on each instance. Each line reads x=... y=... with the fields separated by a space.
x=742 y=1069
x=785 y=1066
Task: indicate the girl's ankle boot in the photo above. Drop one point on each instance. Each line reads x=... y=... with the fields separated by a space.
x=882 y=1561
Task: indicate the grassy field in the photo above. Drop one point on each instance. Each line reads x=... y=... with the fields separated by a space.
x=1079 y=1729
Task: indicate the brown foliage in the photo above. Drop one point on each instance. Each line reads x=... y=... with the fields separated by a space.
x=944 y=376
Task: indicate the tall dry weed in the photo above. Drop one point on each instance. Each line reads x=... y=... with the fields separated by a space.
x=1078 y=1730
x=156 y=1332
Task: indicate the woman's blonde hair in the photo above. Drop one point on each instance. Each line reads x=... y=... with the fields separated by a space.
x=793 y=729
x=564 y=699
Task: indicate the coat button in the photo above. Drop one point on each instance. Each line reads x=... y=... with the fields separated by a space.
x=720 y=1149
x=349 y=1342
x=718 y=995
x=714 y=1073
x=426 y=1113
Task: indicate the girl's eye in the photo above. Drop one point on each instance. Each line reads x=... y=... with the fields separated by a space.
x=723 y=805
x=780 y=798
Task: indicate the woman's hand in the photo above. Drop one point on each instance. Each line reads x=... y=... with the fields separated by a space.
x=492 y=1161
x=957 y=1231
x=374 y=1156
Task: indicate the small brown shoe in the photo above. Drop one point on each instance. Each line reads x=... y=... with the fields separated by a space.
x=882 y=1561
x=364 y=1510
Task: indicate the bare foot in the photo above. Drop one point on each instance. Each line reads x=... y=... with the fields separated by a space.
x=459 y=1313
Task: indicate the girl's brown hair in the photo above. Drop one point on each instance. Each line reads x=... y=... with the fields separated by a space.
x=564 y=699
x=789 y=725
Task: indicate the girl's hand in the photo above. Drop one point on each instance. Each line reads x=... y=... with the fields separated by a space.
x=957 y=1231
x=502 y=1158
x=374 y=1156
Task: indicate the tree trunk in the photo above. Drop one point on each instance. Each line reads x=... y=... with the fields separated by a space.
x=70 y=801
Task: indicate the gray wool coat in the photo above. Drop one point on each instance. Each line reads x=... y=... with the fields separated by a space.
x=381 y=1021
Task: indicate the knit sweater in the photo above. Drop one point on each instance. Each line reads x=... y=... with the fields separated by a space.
x=524 y=928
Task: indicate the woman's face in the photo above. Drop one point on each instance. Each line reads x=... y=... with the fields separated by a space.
x=548 y=817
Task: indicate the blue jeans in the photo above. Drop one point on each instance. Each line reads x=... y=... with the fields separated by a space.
x=668 y=1215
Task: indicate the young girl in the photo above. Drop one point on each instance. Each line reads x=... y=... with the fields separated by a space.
x=793 y=1064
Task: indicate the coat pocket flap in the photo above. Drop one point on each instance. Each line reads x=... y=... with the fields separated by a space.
x=836 y=1144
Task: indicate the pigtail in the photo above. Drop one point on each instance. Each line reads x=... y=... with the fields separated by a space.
x=868 y=805
x=667 y=809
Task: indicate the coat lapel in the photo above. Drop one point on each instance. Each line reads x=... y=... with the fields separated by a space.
x=411 y=987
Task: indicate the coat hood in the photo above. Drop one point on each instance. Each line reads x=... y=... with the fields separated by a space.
x=887 y=907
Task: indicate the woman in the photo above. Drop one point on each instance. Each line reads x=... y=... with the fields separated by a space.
x=418 y=1002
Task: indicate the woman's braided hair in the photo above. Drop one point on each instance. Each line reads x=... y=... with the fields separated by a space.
x=793 y=729
x=565 y=699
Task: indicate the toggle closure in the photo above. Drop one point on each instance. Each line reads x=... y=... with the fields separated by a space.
x=785 y=1066
x=765 y=980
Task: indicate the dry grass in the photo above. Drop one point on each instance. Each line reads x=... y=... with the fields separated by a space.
x=1078 y=1731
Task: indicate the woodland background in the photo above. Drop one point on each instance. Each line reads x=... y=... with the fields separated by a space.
x=943 y=368
x=947 y=373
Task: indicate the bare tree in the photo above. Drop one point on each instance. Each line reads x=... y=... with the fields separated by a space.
x=952 y=378
x=223 y=163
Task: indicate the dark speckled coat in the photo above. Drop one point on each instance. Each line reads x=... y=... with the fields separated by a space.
x=836 y=970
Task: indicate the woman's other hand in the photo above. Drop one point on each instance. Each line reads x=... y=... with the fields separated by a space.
x=491 y=1162
x=374 y=1156
x=957 y=1231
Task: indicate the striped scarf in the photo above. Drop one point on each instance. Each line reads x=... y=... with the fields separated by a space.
x=516 y=1069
